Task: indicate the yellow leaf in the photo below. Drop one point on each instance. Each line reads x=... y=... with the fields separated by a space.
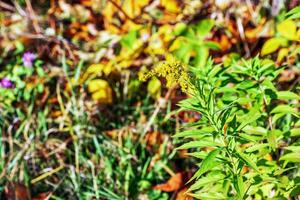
x=171 y=5
x=95 y=69
x=287 y=29
x=97 y=84
x=100 y=90
x=99 y=68
x=282 y=53
x=134 y=8
x=102 y=96
x=176 y=44
x=272 y=45
x=154 y=86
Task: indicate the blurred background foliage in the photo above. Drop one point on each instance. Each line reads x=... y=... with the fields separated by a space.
x=77 y=123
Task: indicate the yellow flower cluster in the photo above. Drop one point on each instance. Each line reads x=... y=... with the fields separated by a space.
x=173 y=70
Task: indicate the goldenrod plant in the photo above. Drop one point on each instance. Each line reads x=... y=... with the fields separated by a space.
x=246 y=138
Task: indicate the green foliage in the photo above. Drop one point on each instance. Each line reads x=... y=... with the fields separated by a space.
x=245 y=137
x=294 y=13
x=191 y=40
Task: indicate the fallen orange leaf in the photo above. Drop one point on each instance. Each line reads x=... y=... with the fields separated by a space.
x=173 y=184
x=182 y=196
x=17 y=191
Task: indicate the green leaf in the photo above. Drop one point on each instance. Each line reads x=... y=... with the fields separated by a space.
x=184 y=52
x=246 y=159
x=209 y=196
x=284 y=109
x=196 y=144
x=129 y=39
x=197 y=132
x=200 y=155
x=201 y=56
x=287 y=95
x=272 y=139
x=291 y=157
x=207 y=164
x=204 y=27
x=255 y=130
x=239 y=185
x=293 y=148
x=256 y=147
x=295 y=132
x=250 y=117
x=294 y=13
x=190 y=104
x=212 y=45
x=154 y=87
x=211 y=178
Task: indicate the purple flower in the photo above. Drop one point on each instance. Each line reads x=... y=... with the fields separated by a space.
x=6 y=83
x=28 y=59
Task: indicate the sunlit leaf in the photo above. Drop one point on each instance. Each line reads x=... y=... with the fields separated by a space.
x=284 y=109
x=287 y=95
x=207 y=164
x=154 y=87
x=287 y=29
x=291 y=157
x=272 y=45
x=294 y=13
x=100 y=90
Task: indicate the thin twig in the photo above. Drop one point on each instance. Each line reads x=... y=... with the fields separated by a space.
x=7 y=6
x=242 y=35
x=32 y=15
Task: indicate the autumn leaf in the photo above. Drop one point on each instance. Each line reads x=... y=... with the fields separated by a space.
x=272 y=45
x=173 y=184
x=101 y=91
x=287 y=29
x=171 y=5
x=42 y=196
x=181 y=195
x=17 y=191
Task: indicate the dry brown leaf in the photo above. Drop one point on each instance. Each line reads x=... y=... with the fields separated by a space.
x=17 y=191
x=41 y=196
x=153 y=138
x=225 y=43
